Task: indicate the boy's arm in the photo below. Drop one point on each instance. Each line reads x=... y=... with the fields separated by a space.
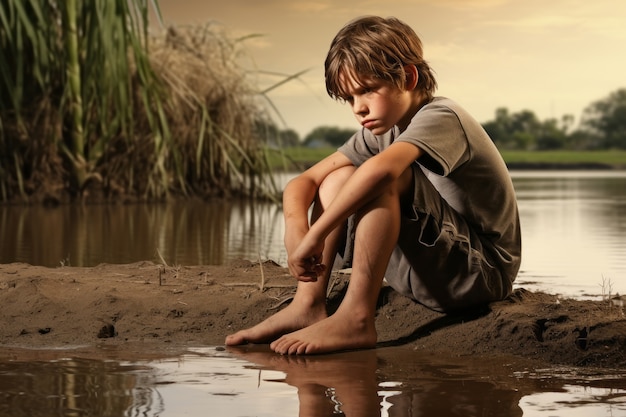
x=298 y=195
x=300 y=192
x=369 y=181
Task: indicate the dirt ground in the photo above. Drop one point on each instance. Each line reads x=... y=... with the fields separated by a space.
x=159 y=306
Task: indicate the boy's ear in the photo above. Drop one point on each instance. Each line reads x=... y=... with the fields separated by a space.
x=412 y=76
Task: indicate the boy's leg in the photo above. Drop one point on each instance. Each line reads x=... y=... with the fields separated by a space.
x=309 y=303
x=352 y=326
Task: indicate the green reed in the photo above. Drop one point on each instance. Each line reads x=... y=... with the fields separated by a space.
x=92 y=106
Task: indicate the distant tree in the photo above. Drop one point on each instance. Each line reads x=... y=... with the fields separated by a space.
x=273 y=136
x=605 y=121
x=552 y=136
x=499 y=129
x=526 y=125
x=514 y=131
x=328 y=135
x=580 y=140
x=289 y=137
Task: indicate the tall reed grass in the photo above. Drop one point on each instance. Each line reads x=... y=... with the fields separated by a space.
x=94 y=107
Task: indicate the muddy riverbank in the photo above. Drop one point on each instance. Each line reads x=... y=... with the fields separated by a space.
x=164 y=306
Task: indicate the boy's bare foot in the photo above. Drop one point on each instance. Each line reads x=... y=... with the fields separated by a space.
x=295 y=316
x=341 y=331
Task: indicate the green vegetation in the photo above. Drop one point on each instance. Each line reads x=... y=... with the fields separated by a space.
x=563 y=157
x=93 y=107
x=602 y=127
x=303 y=156
x=327 y=136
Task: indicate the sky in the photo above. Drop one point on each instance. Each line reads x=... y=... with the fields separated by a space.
x=553 y=58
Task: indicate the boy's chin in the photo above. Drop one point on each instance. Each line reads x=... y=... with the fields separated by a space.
x=379 y=130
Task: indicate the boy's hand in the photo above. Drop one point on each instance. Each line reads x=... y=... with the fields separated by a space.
x=305 y=263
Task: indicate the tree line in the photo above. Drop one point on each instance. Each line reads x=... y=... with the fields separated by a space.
x=602 y=126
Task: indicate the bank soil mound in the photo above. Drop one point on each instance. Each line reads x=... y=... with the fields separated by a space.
x=199 y=305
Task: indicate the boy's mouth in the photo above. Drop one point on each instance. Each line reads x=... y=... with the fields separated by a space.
x=368 y=123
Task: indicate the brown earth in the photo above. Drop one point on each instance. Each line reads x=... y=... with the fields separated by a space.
x=159 y=306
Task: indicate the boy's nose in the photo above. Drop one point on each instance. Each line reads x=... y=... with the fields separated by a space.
x=359 y=107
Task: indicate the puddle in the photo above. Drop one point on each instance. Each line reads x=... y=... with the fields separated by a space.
x=252 y=381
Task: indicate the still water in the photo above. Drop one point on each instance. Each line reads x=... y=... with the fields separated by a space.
x=254 y=382
x=574 y=231
x=573 y=224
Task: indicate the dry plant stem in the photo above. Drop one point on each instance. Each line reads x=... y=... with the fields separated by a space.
x=281 y=302
x=161 y=257
x=262 y=287
x=251 y=284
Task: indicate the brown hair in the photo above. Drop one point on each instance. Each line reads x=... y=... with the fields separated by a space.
x=373 y=47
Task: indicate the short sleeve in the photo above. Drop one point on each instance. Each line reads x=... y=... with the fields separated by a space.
x=437 y=130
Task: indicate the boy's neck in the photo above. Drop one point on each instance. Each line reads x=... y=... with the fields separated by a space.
x=419 y=101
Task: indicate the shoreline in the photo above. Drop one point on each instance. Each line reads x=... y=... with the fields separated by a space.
x=150 y=307
x=555 y=166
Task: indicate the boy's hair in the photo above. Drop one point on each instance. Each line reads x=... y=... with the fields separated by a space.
x=373 y=47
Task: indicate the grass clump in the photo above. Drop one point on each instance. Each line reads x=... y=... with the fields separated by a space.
x=213 y=111
x=93 y=107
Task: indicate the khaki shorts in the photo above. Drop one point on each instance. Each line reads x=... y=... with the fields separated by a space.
x=440 y=261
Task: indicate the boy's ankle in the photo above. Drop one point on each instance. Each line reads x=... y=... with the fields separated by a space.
x=310 y=301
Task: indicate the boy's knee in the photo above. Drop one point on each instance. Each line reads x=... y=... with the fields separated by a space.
x=334 y=181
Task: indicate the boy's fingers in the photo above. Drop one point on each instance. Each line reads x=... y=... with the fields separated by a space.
x=307 y=278
x=308 y=272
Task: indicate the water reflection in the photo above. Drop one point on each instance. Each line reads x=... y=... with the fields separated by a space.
x=342 y=384
x=574 y=231
x=392 y=382
x=403 y=382
x=573 y=227
x=387 y=382
x=182 y=232
x=77 y=387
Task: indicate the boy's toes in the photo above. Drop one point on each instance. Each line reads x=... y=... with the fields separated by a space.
x=235 y=339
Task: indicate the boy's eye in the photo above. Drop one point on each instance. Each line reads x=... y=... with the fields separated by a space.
x=363 y=91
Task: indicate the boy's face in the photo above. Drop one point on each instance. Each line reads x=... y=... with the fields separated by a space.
x=378 y=105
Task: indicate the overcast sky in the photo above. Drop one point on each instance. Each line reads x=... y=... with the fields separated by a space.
x=551 y=57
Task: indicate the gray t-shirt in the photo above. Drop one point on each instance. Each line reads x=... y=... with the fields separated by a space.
x=464 y=166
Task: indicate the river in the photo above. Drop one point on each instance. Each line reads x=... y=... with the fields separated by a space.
x=573 y=226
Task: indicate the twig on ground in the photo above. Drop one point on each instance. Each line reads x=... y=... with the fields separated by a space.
x=281 y=302
x=252 y=284
x=262 y=287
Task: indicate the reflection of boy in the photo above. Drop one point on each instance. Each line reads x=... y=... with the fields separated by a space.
x=327 y=385
x=434 y=207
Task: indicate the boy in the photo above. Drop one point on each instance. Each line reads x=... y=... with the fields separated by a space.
x=433 y=204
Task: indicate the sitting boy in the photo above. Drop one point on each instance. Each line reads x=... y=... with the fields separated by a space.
x=434 y=207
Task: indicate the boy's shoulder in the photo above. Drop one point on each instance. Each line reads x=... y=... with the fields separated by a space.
x=440 y=102
x=445 y=106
